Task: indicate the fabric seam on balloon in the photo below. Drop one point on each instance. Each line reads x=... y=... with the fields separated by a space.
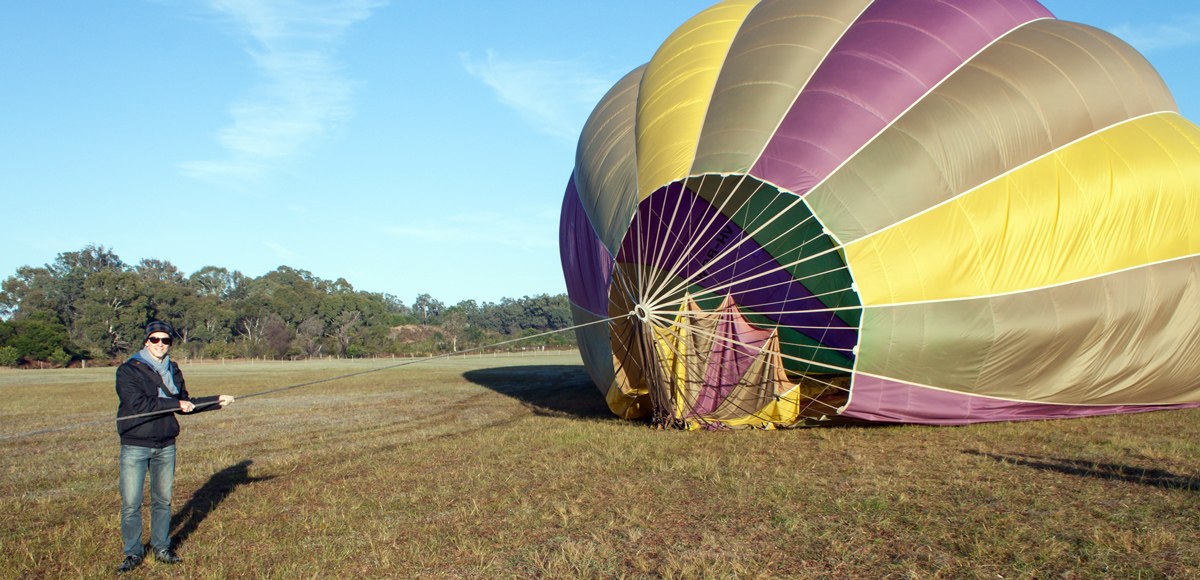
x=901 y=115
x=1037 y=289
x=1006 y=174
x=578 y=167
x=772 y=133
x=994 y=398
x=716 y=81
x=1055 y=33
x=708 y=101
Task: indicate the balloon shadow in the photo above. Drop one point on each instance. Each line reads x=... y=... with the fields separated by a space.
x=208 y=497
x=552 y=390
x=1113 y=471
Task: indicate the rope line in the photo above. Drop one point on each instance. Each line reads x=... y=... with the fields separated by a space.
x=735 y=248
x=309 y=383
x=667 y=321
x=750 y=235
x=694 y=239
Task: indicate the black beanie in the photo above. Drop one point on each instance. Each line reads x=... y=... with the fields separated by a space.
x=158 y=326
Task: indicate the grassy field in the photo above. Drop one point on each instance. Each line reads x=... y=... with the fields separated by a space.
x=512 y=467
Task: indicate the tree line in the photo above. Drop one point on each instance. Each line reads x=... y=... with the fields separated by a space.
x=90 y=305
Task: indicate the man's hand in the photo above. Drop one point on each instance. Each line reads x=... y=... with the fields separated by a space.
x=224 y=400
x=186 y=406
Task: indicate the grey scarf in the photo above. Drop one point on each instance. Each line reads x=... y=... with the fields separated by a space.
x=163 y=368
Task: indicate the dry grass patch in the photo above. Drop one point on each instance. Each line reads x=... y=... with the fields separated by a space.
x=513 y=468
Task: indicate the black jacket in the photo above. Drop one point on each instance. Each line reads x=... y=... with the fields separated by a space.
x=137 y=387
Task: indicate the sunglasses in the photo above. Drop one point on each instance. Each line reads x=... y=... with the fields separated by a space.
x=155 y=340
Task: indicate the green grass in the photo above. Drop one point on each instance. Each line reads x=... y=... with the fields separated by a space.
x=512 y=467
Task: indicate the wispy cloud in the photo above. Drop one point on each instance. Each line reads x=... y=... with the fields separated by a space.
x=1181 y=32
x=279 y=250
x=303 y=95
x=556 y=96
x=532 y=232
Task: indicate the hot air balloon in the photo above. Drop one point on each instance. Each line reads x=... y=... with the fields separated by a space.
x=904 y=211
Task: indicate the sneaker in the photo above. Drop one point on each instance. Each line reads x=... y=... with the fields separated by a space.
x=166 y=556
x=130 y=563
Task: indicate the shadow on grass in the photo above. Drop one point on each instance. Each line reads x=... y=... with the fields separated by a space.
x=208 y=497
x=1151 y=477
x=549 y=390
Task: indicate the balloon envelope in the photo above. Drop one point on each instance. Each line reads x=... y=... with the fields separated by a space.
x=901 y=211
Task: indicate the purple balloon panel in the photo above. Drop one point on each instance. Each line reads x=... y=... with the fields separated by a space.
x=888 y=401
x=587 y=265
x=888 y=59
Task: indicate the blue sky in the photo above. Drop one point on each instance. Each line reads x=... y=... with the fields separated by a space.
x=407 y=147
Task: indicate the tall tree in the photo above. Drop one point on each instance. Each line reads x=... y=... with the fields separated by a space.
x=309 y=335
x=114 y=311
x=426 y=306
x=152 y=270
x=346 y=323
x=275 y=333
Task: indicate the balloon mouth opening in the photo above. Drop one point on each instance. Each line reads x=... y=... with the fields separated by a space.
x=735 y=308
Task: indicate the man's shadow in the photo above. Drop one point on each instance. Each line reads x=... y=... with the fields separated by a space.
x=208 y=497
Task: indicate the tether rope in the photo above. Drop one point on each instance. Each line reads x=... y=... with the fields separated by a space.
x=310 y=383
x=711 y=335
x=695 y=241
x=750 y=235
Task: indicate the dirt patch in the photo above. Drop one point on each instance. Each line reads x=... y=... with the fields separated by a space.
x=410 y=333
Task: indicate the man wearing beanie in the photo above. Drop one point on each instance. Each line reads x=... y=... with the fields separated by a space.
x=150 y=382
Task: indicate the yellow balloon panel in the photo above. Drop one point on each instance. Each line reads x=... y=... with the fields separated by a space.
x=1122 y=197
x=675 y=92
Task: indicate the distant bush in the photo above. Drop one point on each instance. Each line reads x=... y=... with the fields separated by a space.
x=60 y=357
x=9 y=356
x=218 y=350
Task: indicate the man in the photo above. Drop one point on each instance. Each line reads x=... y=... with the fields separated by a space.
x=150 y=382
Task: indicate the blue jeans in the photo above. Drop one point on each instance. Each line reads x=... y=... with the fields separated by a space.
x=135 y=463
